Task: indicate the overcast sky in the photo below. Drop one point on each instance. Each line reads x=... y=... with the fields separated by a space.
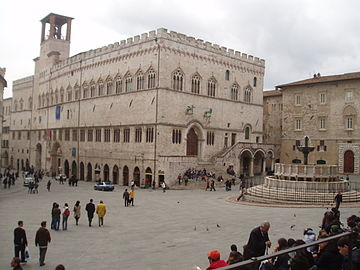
x=296 y=38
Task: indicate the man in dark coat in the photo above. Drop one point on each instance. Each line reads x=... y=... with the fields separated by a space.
x=90 y=209
x=126 y=198
x=258 y=241
x=338 y=199
x=42 y=239
x=20 y=241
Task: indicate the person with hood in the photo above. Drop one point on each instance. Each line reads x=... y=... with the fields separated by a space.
x=66 y=214
x=310 y=236
x=214 y=260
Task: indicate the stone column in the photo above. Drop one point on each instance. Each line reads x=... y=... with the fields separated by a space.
x=52 y=27
x=264 y=167
x=251 y=167
x=68 y=29
x=43 y=32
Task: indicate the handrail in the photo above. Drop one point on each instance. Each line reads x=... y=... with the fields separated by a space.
x=236 y=266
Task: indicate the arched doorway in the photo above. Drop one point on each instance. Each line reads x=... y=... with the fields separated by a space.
x=82 y=169
x=192 y=143
x=148 y=177
x=136 y=176
x=106 y=172
x=259 y=158
x=115 y=175
x=245 y=163
x=125 y=176
x=349 y=162
x=55 y=157
x=89 y=172
x=66 y=168
x=74 y=169
x=38 y=156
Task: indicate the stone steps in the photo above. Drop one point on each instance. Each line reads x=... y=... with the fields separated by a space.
x=260 y=193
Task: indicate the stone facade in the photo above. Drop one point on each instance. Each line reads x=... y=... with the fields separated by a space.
x=3 y=84
x=325 y=109
x=273 y=106
x=5 y=140
x=146 y=108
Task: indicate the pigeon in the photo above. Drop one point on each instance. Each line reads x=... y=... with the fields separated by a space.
x=207 y=229
x=178 y=202
x=294 y=215
x=195 y=228
x=292 y=227
x=217 y=225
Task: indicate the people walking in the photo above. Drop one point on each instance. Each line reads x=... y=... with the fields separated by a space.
x=48 y=185
x=132 y=197
x=163 y=185
x=242 y=190
x=77 y=209
x=53 y=216
x=42 y=239
x=101 y=212
x=126 y=197
x=65 y=216
x=20 y=241
x=90 y=209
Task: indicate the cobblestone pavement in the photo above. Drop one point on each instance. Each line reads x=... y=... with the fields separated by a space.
x=163 y=231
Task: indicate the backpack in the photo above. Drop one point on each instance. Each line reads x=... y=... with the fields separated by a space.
x=66 y=212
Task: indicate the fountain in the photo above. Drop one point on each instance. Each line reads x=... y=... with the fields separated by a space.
x=303 y=183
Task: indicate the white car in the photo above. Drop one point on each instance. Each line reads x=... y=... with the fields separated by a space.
x=28 y=180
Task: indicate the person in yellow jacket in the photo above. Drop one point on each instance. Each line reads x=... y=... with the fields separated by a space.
x=101 y=211
x=132 y=196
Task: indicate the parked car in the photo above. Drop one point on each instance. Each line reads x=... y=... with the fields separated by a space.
x=104 y=186
x=28 y=180
x=57 y=178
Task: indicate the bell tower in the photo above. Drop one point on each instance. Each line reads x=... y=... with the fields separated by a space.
x=55 y=40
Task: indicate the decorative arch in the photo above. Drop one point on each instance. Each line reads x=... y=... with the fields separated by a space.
x=82 y=171
x=128 y=81
x=248 y=94
x=234 y=95
x=140 y=79
x=106 y=172
x=89 y=172
x=125 y=176
x=66 y=168
x=178 y=80
x=136 y=176
x=247 y=132
x=74 y=168
x=115 y=174
x=151 y=78
x=259 y=162
x=196 y=83
x=211 y=86
x=194 y=139
x=349 y=110
x=148 y=177
x=246 y=159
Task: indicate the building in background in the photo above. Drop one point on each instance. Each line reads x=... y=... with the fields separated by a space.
x=3 y=84
x=325 y=108
x=143 y=109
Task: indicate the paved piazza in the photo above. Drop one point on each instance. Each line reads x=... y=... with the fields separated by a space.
x=157 y=233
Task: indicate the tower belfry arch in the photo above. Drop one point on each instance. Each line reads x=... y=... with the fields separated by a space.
x=56 y=23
